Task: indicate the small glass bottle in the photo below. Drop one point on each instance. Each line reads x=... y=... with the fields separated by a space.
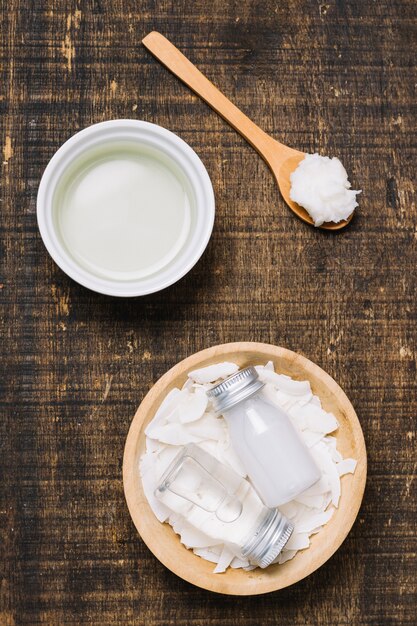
x=276 y=460
x=217 y=501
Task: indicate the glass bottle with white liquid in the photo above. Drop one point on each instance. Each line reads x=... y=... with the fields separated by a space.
x=275 y=458
x=217 y=501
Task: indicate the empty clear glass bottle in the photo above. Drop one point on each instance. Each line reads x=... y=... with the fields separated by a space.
x=217 y=501
x=275 y=458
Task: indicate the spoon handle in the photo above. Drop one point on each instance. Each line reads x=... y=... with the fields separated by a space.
x=179 y=65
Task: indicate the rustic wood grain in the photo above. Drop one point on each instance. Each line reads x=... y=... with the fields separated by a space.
x=337 y=77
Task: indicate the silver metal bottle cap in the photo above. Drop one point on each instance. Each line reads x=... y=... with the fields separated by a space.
x=269 y=540
x=234 y=389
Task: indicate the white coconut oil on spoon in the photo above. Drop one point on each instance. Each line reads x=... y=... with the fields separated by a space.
x=123 y=212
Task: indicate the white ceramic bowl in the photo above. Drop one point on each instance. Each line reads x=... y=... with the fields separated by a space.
x=149 y=136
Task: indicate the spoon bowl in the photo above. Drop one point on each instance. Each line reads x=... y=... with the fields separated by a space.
x=281 y=159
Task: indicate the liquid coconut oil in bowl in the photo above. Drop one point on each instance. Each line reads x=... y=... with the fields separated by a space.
x=123 y=213
x=125 y=207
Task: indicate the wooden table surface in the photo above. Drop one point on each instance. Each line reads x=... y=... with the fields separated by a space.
x=336 y=78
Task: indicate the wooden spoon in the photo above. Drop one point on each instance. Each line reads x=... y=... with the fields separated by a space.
x=281 y=159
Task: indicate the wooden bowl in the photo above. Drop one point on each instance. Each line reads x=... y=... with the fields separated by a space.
x=165 y=544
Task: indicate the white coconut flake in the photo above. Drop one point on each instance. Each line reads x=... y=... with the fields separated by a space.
x=319 y=421
x=323 y=457
x=191 y=537
x=162 y=459
x=211 y=373
x=210 y=554
x=331 y=444
x=227 y=455
x=208 y=427
x=225 y=559
x=174 y=434
x=289 y=509
x=211 y=446
x=239 y=563
x=316 y=401
x=188 y=385
x=185 y=416
x=313 y=502
x=298 y=541
x=152 y=445
x=160 y=511
x=284 y=383
x=285 y=555
x=320 y=488
x=347 y=466
x=190 y=408
x=287 y=401
x=167 y=406
x=310 y=438
x=194 y=408
x=314 y=520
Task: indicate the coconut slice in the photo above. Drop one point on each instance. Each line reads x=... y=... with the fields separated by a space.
x=237 y=563
x=210 y=446
x=298 y=541
x=152 y=445
x=314 y=520
x=319 y=421
x=316 y=400
x=174 y=434
x=323 y=457
x=191 y=407
x=211 y=373
x=164 y=457
x=227 y=455
x=285 y=555
x=284 y=383
x=225 y=559
x=320 y=488
x=299 y=421
x=347 y=466
x=193 y=538
x=201 y=387
x=188 y=385
x=331 y=444
x=167 y=406
x=289 y=510
x=313 y=502
x=287 y=401
x=327 y=500
x=160 y=511
x=210 y=554
x=177 y=522
x=208 y=427
x=270 y=393
x=310 y=438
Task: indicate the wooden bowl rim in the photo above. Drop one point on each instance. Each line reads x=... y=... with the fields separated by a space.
x=147 y=525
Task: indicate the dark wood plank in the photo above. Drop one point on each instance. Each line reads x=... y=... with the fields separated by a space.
x=337 y=77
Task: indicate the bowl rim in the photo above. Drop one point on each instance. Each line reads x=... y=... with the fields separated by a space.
x=131 y=477
x=159 y=139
